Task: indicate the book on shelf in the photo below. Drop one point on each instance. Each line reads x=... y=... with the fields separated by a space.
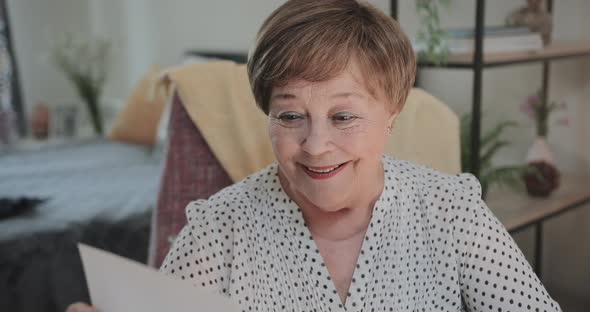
x=495 y=39
x=488 y=31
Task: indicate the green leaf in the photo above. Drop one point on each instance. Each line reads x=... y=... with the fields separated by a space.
x=490 y=145
x=494 y=133
x=85 y=65
x=430 y=34
x=486 y=156
x=510 y=176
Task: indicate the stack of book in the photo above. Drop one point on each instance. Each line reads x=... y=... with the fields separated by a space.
x=495 y=39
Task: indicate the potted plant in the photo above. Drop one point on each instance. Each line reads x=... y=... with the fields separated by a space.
x=539 y=154
x=491 y=144
x=85 y=65
x=431 y=39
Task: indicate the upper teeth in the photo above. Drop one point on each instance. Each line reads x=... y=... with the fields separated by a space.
x=323 y=171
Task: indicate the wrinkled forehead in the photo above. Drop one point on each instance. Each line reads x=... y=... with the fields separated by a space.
x=351 y=78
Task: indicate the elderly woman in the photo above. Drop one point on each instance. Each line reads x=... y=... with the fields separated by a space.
x=334 y=225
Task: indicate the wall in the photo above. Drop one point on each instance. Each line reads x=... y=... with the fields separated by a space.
x=209 y=25
x=159 y=32
x=142 y=33
x=35 y=25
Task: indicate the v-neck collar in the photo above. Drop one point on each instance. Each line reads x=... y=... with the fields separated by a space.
x=363 y=271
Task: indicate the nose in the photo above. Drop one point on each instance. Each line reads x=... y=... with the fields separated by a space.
x=317 y=139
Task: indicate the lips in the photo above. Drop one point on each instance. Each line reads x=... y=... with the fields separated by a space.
x=325 y=172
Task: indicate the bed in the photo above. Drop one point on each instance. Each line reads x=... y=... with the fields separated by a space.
x=97 y=191
x=93 y=179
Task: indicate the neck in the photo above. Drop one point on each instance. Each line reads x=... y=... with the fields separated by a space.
x=341 y=225
x=347 y=222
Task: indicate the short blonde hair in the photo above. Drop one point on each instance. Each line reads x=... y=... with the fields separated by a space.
x=315 y=40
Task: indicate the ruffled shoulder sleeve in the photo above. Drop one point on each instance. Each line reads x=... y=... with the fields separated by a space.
x=202 y=251
x=493 y=272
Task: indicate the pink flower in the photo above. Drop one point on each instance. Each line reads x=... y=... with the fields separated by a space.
x=534 y=101
x=528 y=110
x=564 y=121
x=529 y=107
x=533 y=108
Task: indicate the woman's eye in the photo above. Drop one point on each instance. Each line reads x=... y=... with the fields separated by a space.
x=289 y=118
x=343 y=118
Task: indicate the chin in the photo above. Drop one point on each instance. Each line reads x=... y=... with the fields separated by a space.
x=325 y=201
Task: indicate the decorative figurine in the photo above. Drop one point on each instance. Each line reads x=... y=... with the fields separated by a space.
x=535 y=16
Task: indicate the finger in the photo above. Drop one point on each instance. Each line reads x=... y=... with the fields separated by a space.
x=80 y=307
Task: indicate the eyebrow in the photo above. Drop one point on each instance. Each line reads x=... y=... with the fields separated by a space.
x=347 y=94
x=337 y=95
x=284 y=96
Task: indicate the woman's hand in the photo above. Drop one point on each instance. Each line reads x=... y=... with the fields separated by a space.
x=80 y=307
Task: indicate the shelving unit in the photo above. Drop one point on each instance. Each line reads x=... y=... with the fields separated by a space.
x=554 y=51
x=516 y=211
x=478 y=61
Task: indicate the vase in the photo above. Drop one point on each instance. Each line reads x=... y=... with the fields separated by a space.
x=64 y=121
x=40 y=118
x=542 y=176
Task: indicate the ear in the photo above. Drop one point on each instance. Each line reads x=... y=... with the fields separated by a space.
x=392 y=116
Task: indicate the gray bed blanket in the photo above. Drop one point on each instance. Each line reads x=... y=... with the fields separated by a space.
x=82 y=182
x=98 y=192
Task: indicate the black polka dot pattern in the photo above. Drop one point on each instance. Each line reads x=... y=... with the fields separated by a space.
x=432 y=245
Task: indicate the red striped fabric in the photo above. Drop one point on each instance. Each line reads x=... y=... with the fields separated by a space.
x=191 y=172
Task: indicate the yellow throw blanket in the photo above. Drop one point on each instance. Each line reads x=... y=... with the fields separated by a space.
x=218 y=99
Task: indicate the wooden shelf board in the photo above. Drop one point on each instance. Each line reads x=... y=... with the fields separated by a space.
x=517 y=209
x=554 y=51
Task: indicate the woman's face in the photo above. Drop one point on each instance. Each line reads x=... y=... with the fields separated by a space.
x=328 y=139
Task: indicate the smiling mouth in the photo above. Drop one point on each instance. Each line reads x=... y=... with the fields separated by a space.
x=324 y=172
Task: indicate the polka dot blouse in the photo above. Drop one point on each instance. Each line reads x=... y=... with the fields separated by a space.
x=432 y=245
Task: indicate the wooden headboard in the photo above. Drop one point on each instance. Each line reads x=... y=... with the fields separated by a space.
x=237 y=57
